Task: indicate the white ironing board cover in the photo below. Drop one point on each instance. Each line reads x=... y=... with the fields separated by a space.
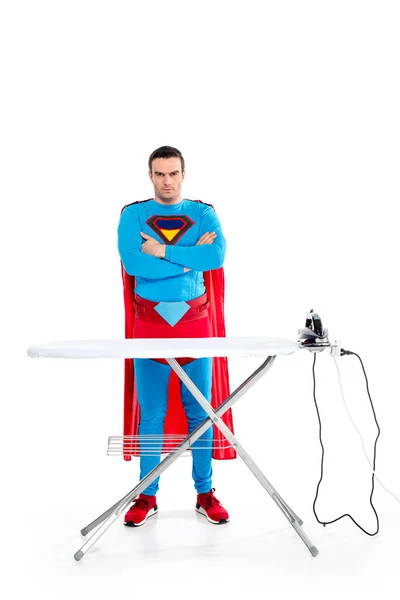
x=166 y=348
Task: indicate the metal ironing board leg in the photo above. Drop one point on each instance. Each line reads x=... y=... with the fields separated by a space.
x=109 y=516
x=116 y=510
x=287 y=511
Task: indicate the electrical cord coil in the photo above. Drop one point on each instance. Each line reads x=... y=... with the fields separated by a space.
x=324 y=523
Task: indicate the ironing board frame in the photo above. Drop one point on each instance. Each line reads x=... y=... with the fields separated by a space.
x=105 y=520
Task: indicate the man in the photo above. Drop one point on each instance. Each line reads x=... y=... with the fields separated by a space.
x=169 y=246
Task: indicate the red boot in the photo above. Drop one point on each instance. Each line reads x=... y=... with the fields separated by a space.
x=211 y=508
x=142 y=508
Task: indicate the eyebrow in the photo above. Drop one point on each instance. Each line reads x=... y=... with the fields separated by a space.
x=160 y=173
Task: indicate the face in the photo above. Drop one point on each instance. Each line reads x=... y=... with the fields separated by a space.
x=167 y=179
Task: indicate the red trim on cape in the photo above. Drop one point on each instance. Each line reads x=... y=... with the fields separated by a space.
x=175 y=422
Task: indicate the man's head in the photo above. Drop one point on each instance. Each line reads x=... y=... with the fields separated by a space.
x=167 y=171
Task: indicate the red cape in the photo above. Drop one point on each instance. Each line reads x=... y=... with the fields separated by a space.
x=176 y=422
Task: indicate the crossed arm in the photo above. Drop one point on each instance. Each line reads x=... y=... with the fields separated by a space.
x=144 y=259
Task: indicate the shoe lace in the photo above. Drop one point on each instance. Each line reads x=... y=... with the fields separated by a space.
x=140 y=503
x=211 y=500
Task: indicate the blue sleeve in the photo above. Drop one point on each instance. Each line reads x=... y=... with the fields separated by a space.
x=134 y=260
x=206 y=256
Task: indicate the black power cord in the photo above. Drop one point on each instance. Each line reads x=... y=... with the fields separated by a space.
x=342 y=353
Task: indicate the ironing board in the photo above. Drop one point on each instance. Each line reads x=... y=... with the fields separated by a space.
x=264 y=347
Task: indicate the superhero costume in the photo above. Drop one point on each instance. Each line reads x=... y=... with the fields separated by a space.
x=178 y=226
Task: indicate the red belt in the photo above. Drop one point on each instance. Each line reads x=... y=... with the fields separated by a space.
x=144 y=310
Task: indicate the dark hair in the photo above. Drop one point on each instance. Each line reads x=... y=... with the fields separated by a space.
x=165 y=152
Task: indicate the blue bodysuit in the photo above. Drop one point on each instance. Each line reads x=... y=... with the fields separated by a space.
x=179 y=227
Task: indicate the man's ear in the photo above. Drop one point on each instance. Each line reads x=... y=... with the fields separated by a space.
x=151 y=175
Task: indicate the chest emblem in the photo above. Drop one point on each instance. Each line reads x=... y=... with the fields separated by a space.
x=170 y=228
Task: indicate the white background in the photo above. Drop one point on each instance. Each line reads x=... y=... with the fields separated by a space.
x=287 y=114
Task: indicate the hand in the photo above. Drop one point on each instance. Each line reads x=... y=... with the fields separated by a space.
x=152 y=247
x=207 y=238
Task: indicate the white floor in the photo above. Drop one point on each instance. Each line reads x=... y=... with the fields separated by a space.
x=57 y=478
x=178 y=553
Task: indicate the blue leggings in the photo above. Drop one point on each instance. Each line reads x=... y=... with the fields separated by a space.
x=152 y=387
